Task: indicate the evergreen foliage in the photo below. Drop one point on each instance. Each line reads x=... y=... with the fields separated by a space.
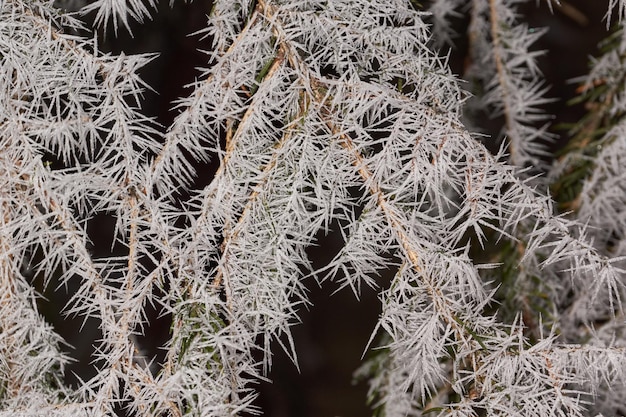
x=319 y=114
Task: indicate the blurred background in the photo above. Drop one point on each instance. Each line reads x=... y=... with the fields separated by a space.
x=335 y=329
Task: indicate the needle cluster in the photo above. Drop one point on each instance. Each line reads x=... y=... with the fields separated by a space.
x=318 y=114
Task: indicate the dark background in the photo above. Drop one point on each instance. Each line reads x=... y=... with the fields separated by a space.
x=334 y=331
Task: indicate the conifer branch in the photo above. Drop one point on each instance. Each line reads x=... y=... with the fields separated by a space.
x=319 y=113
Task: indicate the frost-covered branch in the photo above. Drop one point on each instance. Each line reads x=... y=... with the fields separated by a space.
x=317 y=113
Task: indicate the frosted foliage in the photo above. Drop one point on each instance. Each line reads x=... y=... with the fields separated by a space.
x=442 y=14
x=504 y=63
x=615 y=11
x=319 y=115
